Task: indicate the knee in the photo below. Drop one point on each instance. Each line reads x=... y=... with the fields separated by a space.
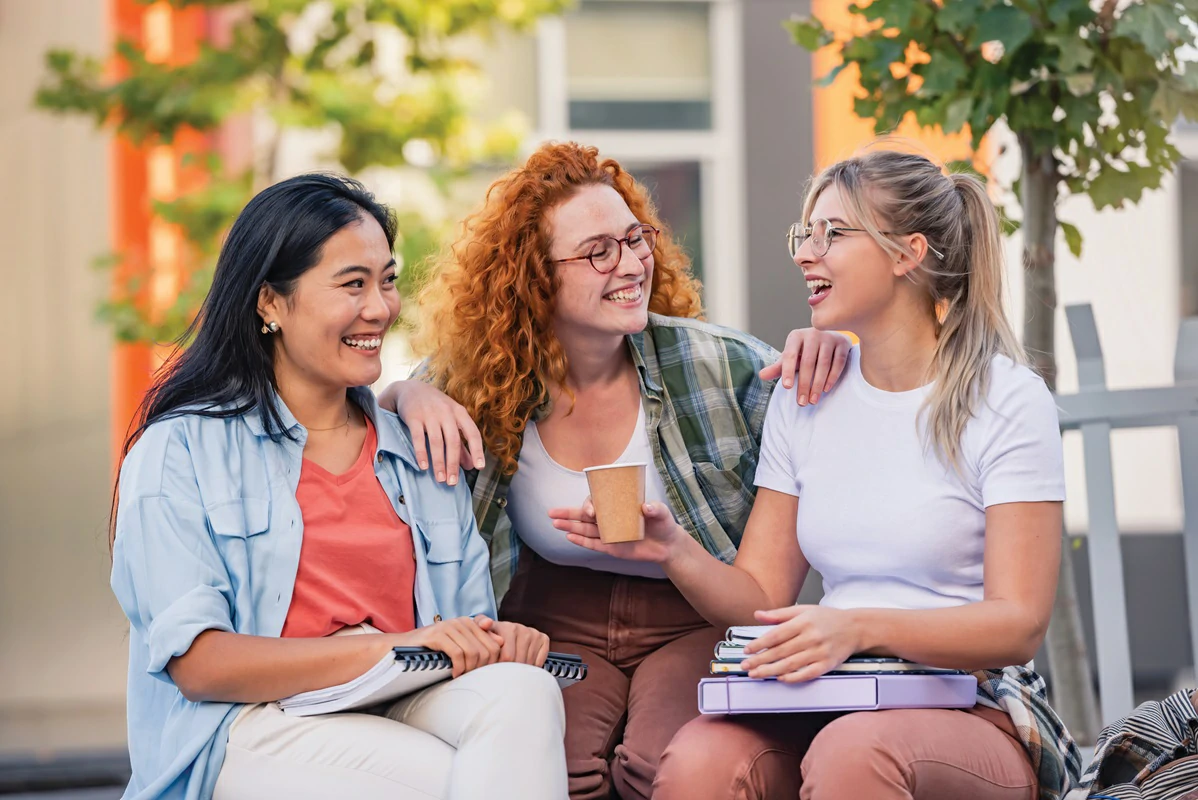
x=711 y=757
x=846 y=748
x=529 y=694
x=692 y=752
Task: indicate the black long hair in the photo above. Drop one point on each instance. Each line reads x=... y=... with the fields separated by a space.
x=228 y=369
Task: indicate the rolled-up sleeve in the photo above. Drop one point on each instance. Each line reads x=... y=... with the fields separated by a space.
x=167 y=573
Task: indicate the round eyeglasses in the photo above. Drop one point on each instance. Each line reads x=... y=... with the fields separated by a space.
x=821 y=232
x=606 y=252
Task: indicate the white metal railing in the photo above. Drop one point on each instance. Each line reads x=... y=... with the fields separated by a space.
x=1096 y=410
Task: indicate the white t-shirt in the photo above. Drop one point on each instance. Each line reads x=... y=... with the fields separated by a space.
x=884 y=521
x=540 y=483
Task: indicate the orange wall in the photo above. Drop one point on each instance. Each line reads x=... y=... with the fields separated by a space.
x=149 y=249
x=838 y=133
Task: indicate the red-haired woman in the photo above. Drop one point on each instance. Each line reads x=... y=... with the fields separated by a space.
x=565 y=322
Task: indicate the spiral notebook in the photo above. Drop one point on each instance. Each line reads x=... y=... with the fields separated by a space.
x=731 y=652
x=405 y=670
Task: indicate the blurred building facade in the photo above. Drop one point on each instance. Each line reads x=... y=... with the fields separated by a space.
x=707 y=101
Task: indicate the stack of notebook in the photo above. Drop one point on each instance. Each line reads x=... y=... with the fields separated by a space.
x=861 y=683
x=403 y=671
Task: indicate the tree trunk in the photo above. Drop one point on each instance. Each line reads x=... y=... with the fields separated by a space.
x=1072 y=682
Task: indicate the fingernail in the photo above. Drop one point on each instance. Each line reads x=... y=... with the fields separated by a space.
x=814 y=399
x=441 y=476
x=453 y=480
x=788 y=383
x=424 y=465
x=479 y=464
x=802 y=399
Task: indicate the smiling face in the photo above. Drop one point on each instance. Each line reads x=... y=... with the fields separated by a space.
x=590 y=304
x=331 y=327
x=856 y=280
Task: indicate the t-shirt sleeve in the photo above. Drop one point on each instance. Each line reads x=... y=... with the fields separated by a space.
x=1021 y=458
x=776 y=468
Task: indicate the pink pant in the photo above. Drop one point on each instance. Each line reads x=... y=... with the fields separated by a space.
x=927 y=754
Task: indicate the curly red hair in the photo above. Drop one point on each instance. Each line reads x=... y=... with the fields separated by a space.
x=486 y=315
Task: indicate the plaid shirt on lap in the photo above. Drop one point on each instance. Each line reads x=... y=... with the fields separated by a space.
x=705 y=409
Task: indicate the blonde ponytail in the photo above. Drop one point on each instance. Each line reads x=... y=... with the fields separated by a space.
x=896 y=191
x=975 y=327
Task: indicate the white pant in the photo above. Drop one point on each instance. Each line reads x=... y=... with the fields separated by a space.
x=496 y=732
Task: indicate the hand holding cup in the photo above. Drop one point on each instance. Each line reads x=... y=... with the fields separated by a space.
x=661 y=532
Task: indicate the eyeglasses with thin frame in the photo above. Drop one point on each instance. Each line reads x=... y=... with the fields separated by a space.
x=605 y=253
x=821 y=232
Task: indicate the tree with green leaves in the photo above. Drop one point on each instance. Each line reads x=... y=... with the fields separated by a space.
x=1090 y=91
x=387 y=75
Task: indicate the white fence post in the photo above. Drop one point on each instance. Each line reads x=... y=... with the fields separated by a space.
x=1107 y=591
x=1185 y=373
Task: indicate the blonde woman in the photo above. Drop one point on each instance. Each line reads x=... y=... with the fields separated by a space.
x=926 y=491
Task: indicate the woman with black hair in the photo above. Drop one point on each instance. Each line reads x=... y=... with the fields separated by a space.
x=266 y=504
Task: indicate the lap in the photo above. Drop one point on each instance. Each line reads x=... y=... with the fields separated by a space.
x=595 y=708
x=353 y=754
x=942 y=751
x=939 y=753
x=446 y=709
x=662 y=694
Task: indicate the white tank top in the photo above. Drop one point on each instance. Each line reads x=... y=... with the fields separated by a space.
x=540 y=483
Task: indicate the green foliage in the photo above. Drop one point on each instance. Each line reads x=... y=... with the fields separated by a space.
x=1097 y=85
x=383 y=73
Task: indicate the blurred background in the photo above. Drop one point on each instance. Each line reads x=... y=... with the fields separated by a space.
x=112 y=208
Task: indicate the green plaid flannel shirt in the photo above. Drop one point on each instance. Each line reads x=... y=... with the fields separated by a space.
x=705 y=409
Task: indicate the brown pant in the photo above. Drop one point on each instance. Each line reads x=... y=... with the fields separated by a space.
x=646 y=649
x=928 y=754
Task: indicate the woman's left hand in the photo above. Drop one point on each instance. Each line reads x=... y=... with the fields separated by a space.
x=809 y=641
x=522 y=644
x=814 y=359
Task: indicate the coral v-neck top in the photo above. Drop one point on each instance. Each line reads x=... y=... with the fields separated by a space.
x=356 y=563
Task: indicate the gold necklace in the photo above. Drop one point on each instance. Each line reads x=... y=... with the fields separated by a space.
x=335 y=427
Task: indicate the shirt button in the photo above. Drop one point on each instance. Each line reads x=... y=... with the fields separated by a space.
x=401 y=500
x=436 y=617
x=380 y=458
x=501 y=502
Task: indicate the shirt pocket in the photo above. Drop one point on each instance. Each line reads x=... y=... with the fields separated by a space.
x=443 y=553
x=442 y=541
x=247 y=556
x=240 y=518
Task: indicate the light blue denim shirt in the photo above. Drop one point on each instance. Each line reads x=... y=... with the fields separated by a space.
x=208 y=537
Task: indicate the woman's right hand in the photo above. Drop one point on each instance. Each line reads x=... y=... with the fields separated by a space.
x=663 y=535
x=469 y=642
x=453 y=437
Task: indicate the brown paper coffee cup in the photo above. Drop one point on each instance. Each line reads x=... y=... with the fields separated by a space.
x=618 y=492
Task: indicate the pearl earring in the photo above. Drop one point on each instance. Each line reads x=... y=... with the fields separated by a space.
x=270 y=327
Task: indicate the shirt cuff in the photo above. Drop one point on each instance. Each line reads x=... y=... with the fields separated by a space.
x=1022 y=493
x=173 y=630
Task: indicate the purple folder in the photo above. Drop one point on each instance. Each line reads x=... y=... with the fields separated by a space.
x=738 y=695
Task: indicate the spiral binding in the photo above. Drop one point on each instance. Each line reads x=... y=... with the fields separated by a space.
x=414 y=662
x=559 y=665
